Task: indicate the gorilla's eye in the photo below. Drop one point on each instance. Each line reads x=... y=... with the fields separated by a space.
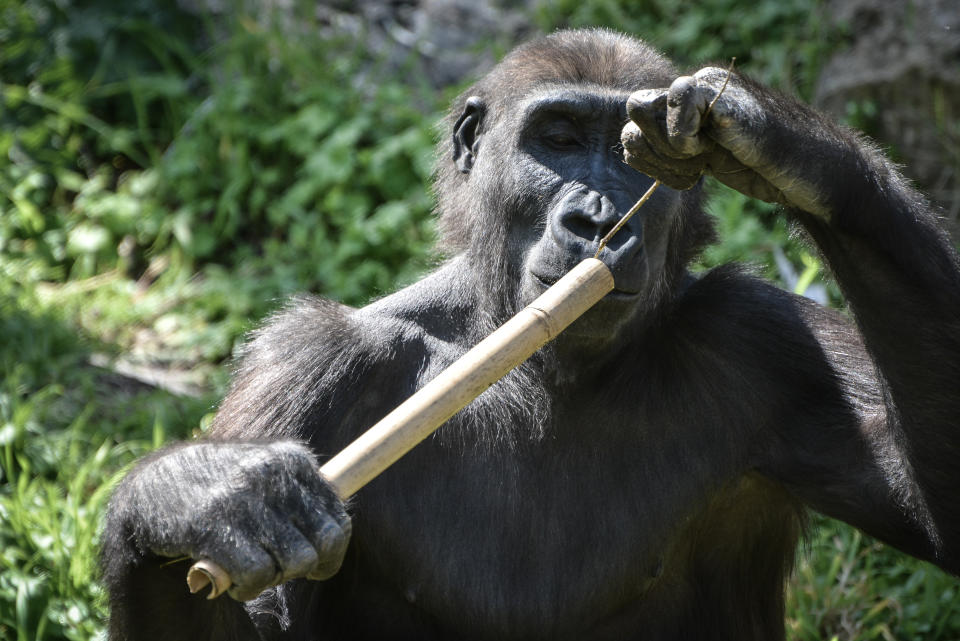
x=561 y=140
x=559 y=131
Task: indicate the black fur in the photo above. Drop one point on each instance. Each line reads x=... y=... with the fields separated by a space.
x=645 y=476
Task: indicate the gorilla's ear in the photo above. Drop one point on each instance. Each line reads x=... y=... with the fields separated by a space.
x=466 y=133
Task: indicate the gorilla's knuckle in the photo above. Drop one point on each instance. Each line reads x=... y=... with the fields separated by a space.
x=645 y=101
x=325 y=569
x=344 y=522
x=329 y=561
x=334 y=538
x=255 y=573
x=643 y=97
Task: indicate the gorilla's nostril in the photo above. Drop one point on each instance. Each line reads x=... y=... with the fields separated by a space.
x=581 y=225
x=606 y=225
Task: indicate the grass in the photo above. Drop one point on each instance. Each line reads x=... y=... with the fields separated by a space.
x=67 y=431
x=848 y=586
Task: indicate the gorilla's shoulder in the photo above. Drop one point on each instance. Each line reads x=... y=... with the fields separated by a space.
x=733 y=302
x=439 y=308
x=311 y=324
x=296 y=371
x=428 y=316
x=737 y=289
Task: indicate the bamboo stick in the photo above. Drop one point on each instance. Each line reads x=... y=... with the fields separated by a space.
x=455 y=387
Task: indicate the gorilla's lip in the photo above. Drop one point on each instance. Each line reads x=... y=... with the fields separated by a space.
x=616 y=293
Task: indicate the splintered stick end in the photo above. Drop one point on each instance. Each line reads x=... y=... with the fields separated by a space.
x=204 y=573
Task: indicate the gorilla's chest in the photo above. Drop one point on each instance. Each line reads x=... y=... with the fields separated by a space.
x=538 y=536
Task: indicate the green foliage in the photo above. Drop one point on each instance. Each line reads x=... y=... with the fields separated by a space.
x=783 y=43
x=57 y=465
x=87 y=92
x=849 y=586
x=247 y=152
x=166 y=179
x=277 y=168
x=754 y=232
x=66 y=428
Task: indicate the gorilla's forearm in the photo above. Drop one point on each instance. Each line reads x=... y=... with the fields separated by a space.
x=901 y=277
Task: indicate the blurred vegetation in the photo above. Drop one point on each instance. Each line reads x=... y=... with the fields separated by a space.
x=167 y=177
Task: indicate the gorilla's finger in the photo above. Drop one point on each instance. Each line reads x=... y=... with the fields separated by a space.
x=320 y=501
x=291 y=549
x=687 y=104
x=651 y=112
x=251 y=568
x=647 y=110
x=677 y=173
x=331 y=543
x=647 y=106
x=324 y=522
x=679 y=180
x=639 y=142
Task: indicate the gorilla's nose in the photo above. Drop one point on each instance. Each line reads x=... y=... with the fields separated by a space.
x=584 y=218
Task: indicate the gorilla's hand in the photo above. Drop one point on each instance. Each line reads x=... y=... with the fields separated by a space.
x=260 y=511
x=765 y=146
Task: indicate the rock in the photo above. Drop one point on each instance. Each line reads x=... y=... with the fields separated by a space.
x=903 y=64
x=446 y=41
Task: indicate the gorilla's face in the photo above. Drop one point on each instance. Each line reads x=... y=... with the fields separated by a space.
x=557 y=154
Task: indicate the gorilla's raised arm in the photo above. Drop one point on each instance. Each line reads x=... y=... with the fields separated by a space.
x=893 y=262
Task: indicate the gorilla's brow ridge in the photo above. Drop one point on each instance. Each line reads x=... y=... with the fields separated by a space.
x=579 y=101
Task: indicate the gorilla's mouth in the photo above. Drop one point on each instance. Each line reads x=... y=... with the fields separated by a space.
x=617 y=293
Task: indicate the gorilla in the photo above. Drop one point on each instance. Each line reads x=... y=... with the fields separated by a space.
x=647 y=475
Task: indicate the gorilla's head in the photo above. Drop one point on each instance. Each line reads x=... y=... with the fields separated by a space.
x=532 y=177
